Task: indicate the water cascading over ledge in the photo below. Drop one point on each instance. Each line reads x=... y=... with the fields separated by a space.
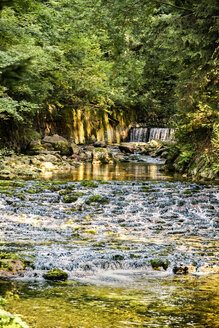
x=143 y=134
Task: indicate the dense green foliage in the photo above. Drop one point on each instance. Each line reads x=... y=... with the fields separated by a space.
x=157 y=57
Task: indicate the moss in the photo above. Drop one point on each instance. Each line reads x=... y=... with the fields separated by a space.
x=89 y=184
x=187 y=192
x=7 y=192
x=79 y=194
x=54 y=188
x=57 y=182
x=31 y=191
x=7 y=320
x=7 y=183
x=102 y=182
x=97 y=199
x=63 y=147
x=91 y=232
x=21 y=196
x=55 y=275
x=6 y=188
x=9 y=261
x=147 y=189
x=101 y=150
x=134 y=256
x=158 y=263
x=65 y=192
x=69 y=199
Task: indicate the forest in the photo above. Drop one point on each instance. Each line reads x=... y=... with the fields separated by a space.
x=109 y=162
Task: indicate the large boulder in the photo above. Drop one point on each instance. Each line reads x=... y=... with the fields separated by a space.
x=127 y=147
x=76 y=150
x=55 y=275
x=59 y=143
x=54 y=139
x=102 y=156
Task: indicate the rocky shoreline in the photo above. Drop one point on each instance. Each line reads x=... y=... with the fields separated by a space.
x=54 y=154
x=57 y=154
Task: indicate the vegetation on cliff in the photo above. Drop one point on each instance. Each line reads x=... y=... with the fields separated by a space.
x=158 y=58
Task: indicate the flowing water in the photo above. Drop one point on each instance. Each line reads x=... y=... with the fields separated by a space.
x=106 y=234
x=142 y=134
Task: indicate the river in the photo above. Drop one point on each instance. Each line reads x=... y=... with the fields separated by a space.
x=104 y=226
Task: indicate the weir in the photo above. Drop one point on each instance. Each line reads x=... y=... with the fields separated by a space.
x=143 y=134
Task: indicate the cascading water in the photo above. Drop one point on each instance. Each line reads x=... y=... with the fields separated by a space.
x=163 y=134
x=142 y=134
x=85 y=235
x=106 y=235
x=139 y=134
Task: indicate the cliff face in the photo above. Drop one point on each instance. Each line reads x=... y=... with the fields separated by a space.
x=88 y=125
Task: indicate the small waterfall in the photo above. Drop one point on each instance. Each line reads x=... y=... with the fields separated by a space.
x=142 y=134
x=163 y=134
x=139 y=135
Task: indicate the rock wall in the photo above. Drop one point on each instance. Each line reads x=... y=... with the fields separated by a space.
x=88 y=125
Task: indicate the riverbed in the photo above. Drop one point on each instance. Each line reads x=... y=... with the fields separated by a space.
x=105 y=226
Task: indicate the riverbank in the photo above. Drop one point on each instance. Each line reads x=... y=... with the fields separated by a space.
x=38 y=162
x=201 y=164
x=43 y=160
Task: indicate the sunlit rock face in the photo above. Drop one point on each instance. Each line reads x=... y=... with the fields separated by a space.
x=90 y=125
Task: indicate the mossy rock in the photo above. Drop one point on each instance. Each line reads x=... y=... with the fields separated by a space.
x=118 y=257
x=12 y=263
x=89 y=184
x=56 y=275
x=69 y=199
x=6 y=192
x=63 y=147
x=79 y=194
x=97 y=199
x=65 y=192
x=148 y=189
x=101 y=150
x=181 y=269
x=54 y=188
x=21 y=196
x=158 y=263
x=10 y=183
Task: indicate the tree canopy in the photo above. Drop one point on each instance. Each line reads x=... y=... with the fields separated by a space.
x=157 y=57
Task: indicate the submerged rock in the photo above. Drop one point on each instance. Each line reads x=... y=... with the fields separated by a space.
x=181 y=269
x=158 y=263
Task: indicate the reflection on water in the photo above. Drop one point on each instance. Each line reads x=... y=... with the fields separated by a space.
x=120 y=171
x=175 y=301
